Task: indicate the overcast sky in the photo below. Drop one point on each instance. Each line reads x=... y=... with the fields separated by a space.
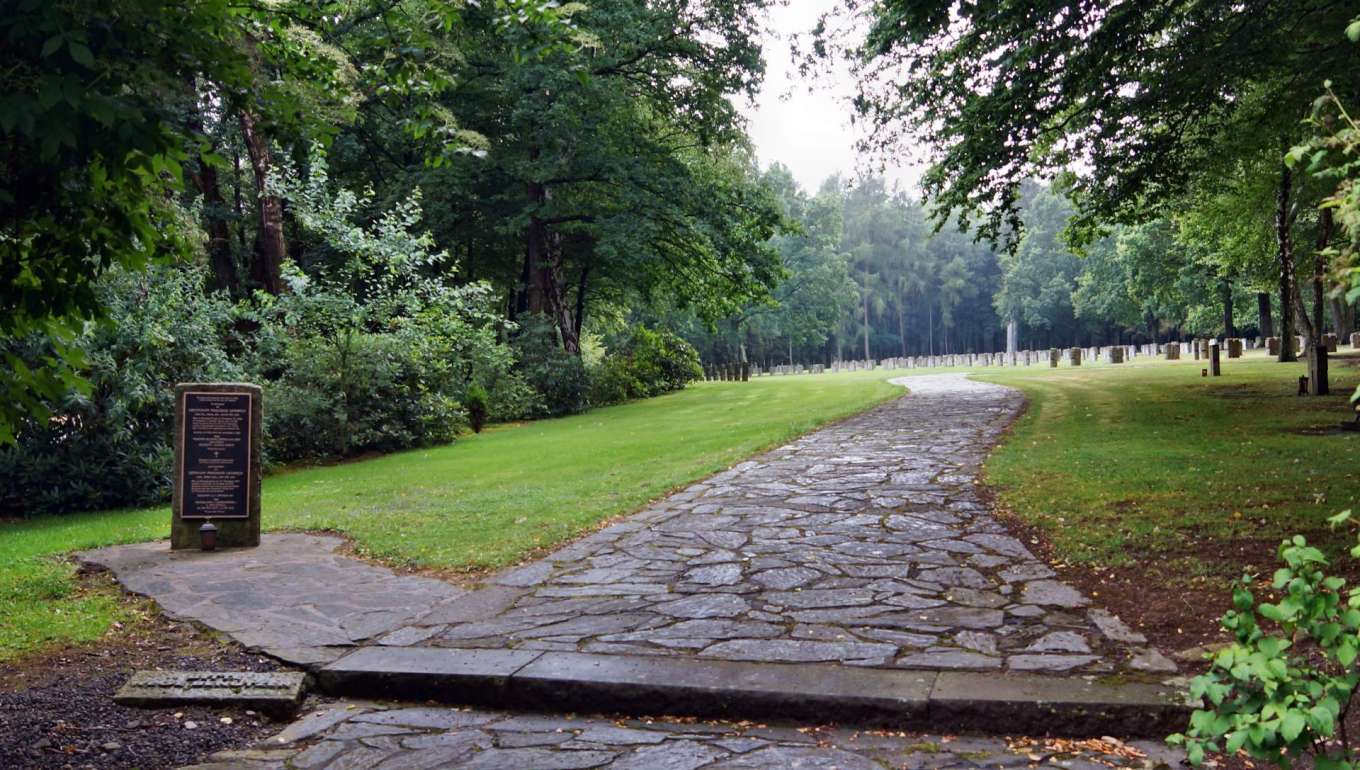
x=810 y=132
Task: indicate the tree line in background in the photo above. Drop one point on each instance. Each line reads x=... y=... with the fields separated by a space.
x=407 y=217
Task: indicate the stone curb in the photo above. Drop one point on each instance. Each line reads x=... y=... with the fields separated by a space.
x=820 y=693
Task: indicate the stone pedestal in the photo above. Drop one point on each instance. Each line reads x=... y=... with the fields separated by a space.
x=1173 y=351
x=219 y=430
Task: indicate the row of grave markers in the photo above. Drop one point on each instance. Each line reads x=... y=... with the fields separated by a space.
x=1114 y=354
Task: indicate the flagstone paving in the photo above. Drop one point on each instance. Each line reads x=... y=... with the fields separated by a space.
x=364 y=736
x=865 y=543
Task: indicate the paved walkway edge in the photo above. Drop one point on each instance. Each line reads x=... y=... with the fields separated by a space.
x=657 y=685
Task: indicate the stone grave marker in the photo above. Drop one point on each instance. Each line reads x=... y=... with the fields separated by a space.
x=1331 y=341
x=1116 y=354
x=278 y=692
x=1234 y=347
x=218 y=432
x=1273 y=346
x=1355 y=340
x=1214 y=368
x=1074 y=355
x=1173 y=351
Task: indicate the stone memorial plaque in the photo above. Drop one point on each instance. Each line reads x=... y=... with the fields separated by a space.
x=215 y=444
x=218 y=431
x=275 y=692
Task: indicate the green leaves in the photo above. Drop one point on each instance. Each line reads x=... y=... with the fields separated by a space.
x=1263 y=697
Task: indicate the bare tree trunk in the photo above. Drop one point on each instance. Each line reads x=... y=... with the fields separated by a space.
x=1266 y=322
x=1228 y=328
x=542 y=267
x=266 y=268
x=901 y=330
x=1284 y=222
x=1313 y=327
x=220 y=258
x=1343 y=317
x=930 y=321
x=866 y=315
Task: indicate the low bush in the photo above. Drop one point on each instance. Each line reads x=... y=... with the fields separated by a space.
x=646 y=363
x=1281 y=691
x=558 y=377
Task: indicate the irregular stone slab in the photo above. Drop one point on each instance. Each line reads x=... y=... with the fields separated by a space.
x=275 y=692
x=798 y=651
x=1053 y=593
x=293 y=596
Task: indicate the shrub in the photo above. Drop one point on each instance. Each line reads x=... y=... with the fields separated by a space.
x=558 y=377
x=1284 y=695
x=477 y=409
x=647 y=363
x=113 y=447
x=661 y=361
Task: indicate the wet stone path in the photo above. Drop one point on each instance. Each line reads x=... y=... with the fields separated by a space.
x=368 y=736
x=864 y=543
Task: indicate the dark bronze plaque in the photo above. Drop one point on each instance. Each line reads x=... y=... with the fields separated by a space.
x=215 y=477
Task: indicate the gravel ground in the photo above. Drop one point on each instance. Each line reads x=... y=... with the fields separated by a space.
x=57 y=709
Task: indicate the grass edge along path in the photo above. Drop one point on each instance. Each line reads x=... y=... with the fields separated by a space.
x=484 y=502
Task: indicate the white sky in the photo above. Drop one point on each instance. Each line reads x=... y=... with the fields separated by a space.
x=806 y=125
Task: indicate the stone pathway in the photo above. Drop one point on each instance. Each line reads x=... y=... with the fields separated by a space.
x=864 y=543
x=293 y=598
x=367 y=736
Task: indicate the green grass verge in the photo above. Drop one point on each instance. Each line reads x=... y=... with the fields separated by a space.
x=483 y=502
x=1118 y=463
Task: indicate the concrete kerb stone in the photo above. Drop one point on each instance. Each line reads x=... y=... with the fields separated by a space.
x=567 y=681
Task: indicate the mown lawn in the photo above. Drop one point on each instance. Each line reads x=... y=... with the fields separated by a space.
x=1150 y=462
x=483 y=502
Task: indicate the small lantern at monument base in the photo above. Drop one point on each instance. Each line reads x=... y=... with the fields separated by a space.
x=207 y=536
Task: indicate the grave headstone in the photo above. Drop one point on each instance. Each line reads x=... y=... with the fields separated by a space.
x=1074 y=356
x=1355 y=340
x=1214 y=368
x=1173 y=351
x=219 y=430
x=1234 y=347
x=1053 y=357
x=1116 y=355
x=1330 y=340
x=1273 y=346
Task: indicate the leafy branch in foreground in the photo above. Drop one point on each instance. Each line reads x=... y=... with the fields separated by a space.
x=1284 y=695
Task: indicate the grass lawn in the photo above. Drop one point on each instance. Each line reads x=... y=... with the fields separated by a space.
x=483 y=502
x=1116 y=464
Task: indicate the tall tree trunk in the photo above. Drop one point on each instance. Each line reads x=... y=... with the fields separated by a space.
x=901 y=329
x=930 y=321
x=1313 y=326
x=266 y=266
x=1284 y=222
x=866 y=315
x=220 y=259
x=1228 y=329
x=1343 y=316
x=542 y=267
x=1263 y=312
